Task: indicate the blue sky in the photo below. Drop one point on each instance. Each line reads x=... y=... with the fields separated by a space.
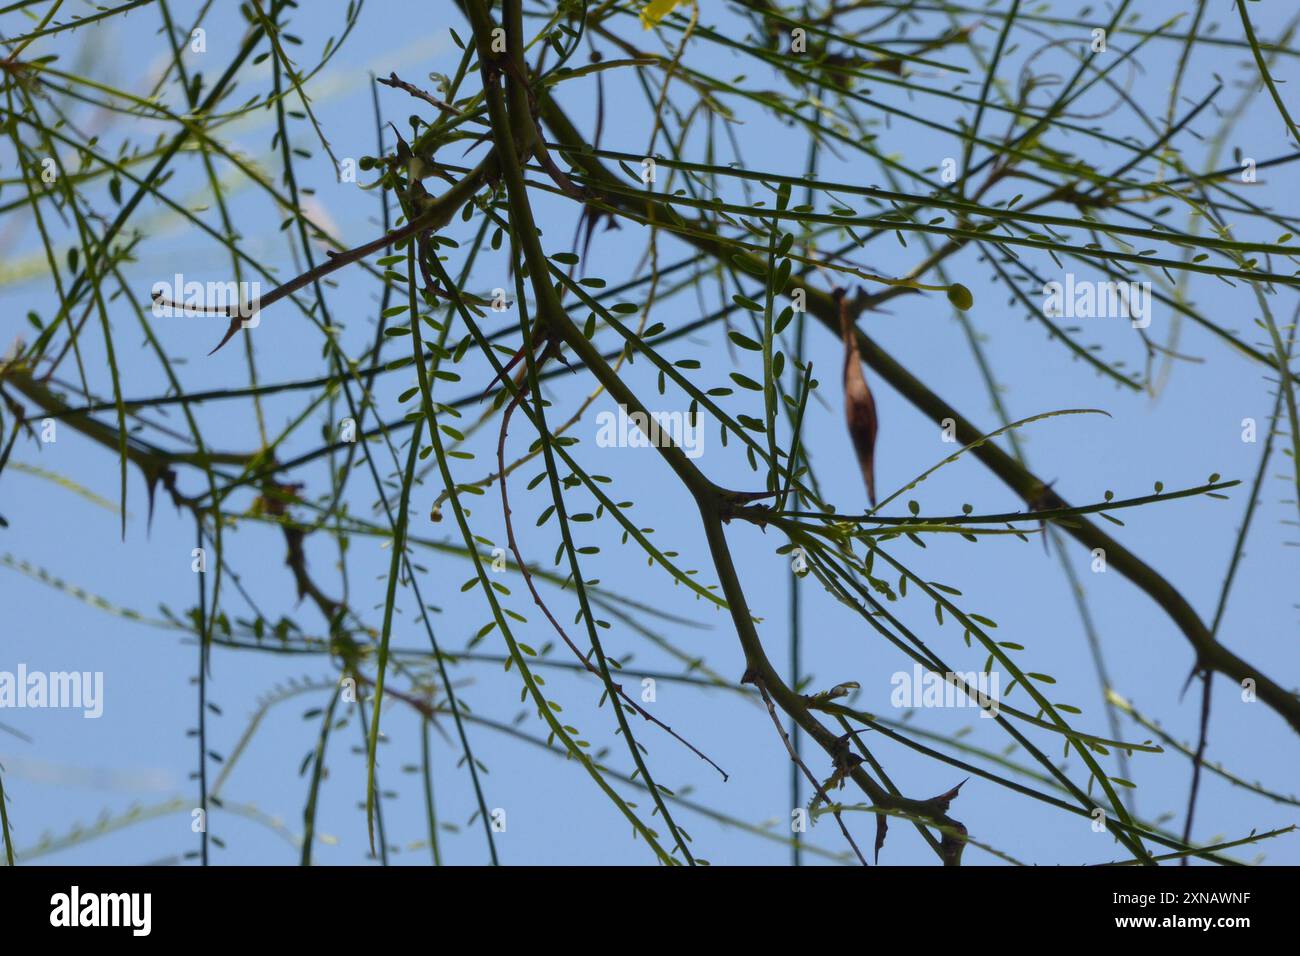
x=138 y=753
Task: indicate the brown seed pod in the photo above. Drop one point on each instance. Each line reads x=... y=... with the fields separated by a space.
x=859 y=405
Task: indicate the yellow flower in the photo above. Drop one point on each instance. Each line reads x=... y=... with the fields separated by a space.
x=656 y=10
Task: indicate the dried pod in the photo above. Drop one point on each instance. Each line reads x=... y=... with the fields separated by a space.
x=859 y=405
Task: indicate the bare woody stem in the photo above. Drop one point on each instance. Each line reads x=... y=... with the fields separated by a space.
x=435 y=216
